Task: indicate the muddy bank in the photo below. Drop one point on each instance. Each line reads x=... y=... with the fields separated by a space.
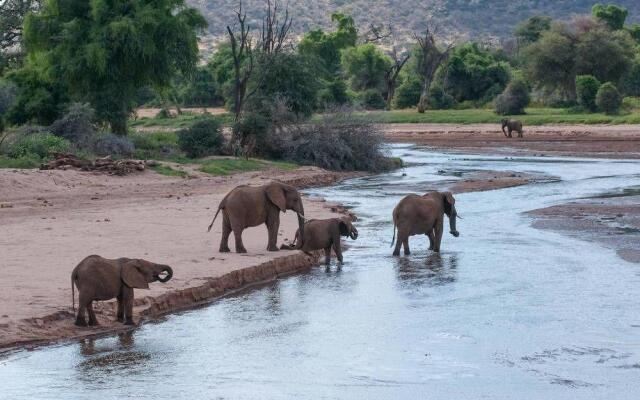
x=599 y=141
x=52 y=219
x=613 y=221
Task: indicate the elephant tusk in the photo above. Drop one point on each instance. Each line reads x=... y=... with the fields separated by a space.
x=301 y=216
x=458 y=216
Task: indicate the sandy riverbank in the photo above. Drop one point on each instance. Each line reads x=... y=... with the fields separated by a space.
x=601 y=141
x=52 y=219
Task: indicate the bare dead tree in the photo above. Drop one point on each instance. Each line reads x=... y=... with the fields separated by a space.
x=392 y=73
x=431 y=58
x=275 y=33
x=242 y=52
x=377 y=34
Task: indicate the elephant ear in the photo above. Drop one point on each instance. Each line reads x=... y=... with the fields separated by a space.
x=449 y=198
x=132 y=275
x=344 y=228
x=275 y=194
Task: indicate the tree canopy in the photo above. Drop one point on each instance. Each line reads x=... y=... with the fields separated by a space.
x=612 y=15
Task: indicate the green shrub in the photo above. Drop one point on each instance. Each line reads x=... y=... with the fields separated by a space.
x=155 y=144
x=110 y=144
x=439 y=99
x=608 y=99
x=514 y=99
x=76 y=125
x=41 y=145
x=408 y=93
x=203 y=138
x=373 y=100
x=586 y=90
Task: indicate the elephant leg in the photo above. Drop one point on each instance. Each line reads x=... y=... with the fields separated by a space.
x=438 y=235
x=226 y=231
x=337 y=249
x=82 y=306
x=237 y=234
x=327 y=255
x=405 y=244
x=127 y=298
x=396 y=251
x=509 y=132
x=273 y=224
x=120 y=313
x=93 y=321
x=431 y=239
x=519 y=134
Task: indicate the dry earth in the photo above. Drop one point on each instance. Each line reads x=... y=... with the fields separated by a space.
x=601 y=141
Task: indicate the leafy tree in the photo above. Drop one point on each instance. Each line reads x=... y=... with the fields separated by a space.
x=105 y=50
x=514 y=98
x=608 y=98
x=204 y=138
x=373 y=100
x=604 y=54
x=586 y=90
x=474 y=74
x=200 y=90
x=634 y=31
x=631 y=80
x=529 y=31
x=612 y=15
x=12 y=14
x=365 y=65
x=551 y=62
x=408 y=94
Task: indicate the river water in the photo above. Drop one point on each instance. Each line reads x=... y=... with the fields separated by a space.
x=504 y=312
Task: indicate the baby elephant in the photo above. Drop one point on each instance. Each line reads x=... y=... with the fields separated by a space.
x=98 y=278
x=324 y=234
x=511 y=125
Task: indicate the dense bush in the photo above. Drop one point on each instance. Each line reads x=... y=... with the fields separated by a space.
x=586 y=90
x=608 y=98
x=204 y=138
x=76 y=125
x=8 y=93
x=337 y=142
x=156 y=144
x=373 y=100
x=439 y=99
x=408 y=93
x=333 y=93
x=41 y=145
x=514 y=99
x=110 y=144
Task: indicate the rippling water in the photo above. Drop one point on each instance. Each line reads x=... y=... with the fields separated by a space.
x=504 y=312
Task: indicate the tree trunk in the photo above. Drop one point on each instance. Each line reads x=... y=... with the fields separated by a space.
x=391 y=91
x=119 y=126
x=424 y=96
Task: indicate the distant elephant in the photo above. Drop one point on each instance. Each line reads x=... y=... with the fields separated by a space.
x=247 y=206
x=416 y=215
x=511 y=125
x=324 y=234
x=99 y=278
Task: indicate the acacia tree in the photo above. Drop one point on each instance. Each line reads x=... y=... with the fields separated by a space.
x=430 y=59
x=392 y=73
x=105 y=50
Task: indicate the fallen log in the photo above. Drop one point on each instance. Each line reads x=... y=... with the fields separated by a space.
x=103 y=164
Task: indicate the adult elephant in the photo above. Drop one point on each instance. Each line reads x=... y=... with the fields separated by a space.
x=248 y=206
x=511 y=125
x=416 y=215
x=98 y=278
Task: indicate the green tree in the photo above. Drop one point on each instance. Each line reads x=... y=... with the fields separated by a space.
x=200 y=90
x=551 y=62
x=604 y=54
x=609 y=99
x=529 y=31
x=586 y=90
x=612 y=15
x=105 y=50
x=514 y=98
x=365 y=65
x=474 y=74
x=631 y=80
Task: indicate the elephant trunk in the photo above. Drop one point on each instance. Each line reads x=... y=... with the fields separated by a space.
x=452 y=222
x=169 y=272
x=300 y=237
x=353 y=234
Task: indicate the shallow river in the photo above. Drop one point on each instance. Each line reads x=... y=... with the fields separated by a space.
x=504 y=312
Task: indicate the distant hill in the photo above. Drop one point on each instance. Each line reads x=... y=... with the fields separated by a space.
x=478 y=18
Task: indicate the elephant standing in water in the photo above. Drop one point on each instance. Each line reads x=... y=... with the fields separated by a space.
x=247 y=206
x=324 y=234
x=511 y=125
x=415 y=215
x=99 y=278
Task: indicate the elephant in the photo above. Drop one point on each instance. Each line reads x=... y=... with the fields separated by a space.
x=511 y=125
x=415 y=215
x=98 y=278
x=324 y=234
x=248 y=206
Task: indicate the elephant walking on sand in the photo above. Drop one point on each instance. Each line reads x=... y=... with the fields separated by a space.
x=511 y=125
x=416 y=215
x=324 y=234
x=248 y=206
x=99 y=278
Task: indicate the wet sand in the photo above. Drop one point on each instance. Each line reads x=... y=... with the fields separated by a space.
x=612 y=221
x=598 y=141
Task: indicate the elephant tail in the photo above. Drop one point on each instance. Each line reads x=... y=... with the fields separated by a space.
x=394 y=235
x=214 y=220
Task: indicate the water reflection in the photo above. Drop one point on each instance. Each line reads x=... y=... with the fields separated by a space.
x=106 y=357
x=436 y=269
